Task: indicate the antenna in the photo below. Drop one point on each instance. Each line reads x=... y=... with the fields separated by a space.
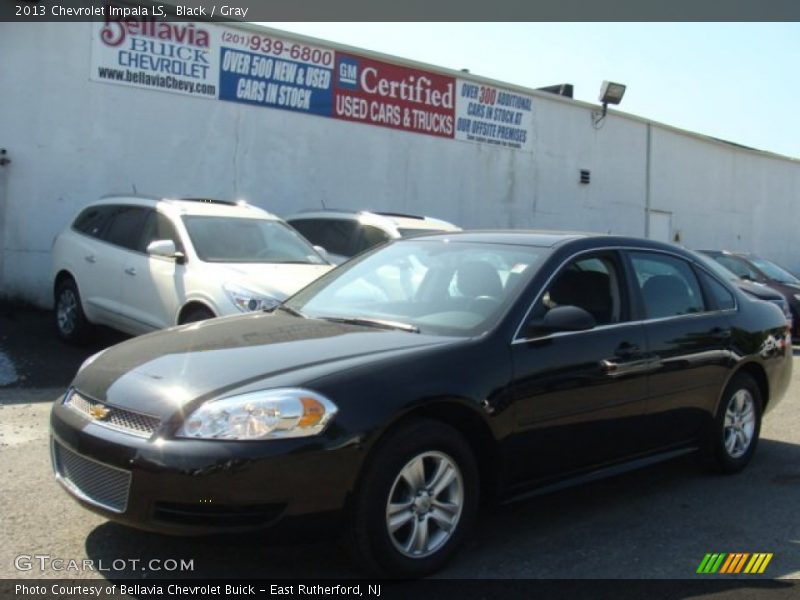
x=133 y=185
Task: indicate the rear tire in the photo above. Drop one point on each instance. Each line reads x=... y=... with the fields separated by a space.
x=733 y=437
x=417 y=500
x=71 y=323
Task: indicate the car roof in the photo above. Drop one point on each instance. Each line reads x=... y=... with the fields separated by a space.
x=727 y=253
x=189 y=206
x=379 y=218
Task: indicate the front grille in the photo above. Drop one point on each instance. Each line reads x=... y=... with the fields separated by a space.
x=116 y=418
x=98 y=484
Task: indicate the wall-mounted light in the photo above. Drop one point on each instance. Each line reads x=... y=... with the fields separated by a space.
x=610 y=93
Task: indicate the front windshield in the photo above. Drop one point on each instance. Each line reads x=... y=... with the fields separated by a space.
x=773 y=271
x=436 y=286
x=247 y=240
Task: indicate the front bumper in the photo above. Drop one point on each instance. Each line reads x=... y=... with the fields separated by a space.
x=196 y=487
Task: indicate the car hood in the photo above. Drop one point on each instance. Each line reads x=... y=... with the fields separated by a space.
x=279 y=280
x=160 y=373
x=759 y=290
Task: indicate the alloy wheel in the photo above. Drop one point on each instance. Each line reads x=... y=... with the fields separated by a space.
x=67 y=311
x=425 y=504
x=740 y=423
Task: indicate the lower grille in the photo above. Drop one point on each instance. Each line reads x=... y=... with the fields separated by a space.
x=217 y=516
x=94 y=482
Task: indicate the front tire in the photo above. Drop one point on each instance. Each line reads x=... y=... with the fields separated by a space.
x=71 y=323
x=195 y=314
x=416 y=502
x=734 y=435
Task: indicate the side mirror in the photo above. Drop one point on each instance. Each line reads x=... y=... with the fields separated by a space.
x=164 y=248
x=563 y=318
x=322 y=252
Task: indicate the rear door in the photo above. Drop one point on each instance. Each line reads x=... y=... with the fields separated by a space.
x=121 y=237
x=688 y=332
x=86 y=257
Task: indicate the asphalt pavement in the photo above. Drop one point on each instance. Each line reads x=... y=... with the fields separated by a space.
x=651 y=524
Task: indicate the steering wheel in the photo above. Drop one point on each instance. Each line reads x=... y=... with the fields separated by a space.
x=483 y=304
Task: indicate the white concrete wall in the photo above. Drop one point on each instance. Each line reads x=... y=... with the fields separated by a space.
x=71 y=140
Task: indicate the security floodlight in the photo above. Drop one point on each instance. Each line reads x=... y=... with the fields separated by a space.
x=611 y=93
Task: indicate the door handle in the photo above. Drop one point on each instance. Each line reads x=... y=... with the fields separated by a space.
x=90 y=258
x=130 y=271
x=720 y=333
x=626 y=350
x=614 y=368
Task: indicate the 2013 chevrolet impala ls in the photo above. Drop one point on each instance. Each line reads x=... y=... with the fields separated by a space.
x=390 y=397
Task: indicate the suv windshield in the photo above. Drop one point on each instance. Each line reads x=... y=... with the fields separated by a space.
x=773 y=271
x=426 y=285
x=246 y=240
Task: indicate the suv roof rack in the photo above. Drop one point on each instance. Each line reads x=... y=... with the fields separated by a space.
x=397 y=214
x=126 y=195
x=209 y=201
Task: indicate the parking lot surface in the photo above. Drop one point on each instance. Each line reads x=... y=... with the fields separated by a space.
x=654 y=523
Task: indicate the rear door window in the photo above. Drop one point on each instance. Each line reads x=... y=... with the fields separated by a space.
x=337 y=236
x=309 y=229
x=93 y=220
x=720 y=295
x=126 y=226
x=667 y=284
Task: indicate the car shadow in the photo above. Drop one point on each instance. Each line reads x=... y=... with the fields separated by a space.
x=40 y=358
x=657 y=523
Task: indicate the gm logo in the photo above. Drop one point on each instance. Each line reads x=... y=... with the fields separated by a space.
x=348 y=73
x=728 y=564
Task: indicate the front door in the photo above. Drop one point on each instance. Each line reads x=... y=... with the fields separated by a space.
x=152 y=286
x=580 y=395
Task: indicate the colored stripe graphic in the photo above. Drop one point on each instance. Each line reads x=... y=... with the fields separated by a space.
x=711 y=563
x=758 y=563
x=734 y=563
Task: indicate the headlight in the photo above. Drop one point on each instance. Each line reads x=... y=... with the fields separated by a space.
x=247 y=300
x=797 y=297
x=267 y=414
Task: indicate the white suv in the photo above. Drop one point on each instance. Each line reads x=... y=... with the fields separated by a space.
x=346 y=233
x=141 y=264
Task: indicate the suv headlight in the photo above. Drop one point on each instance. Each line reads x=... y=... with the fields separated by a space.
x=267 y=414
x=247 y=300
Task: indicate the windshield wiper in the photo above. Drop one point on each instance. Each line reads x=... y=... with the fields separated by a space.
x=290 y=310
x=380 y=323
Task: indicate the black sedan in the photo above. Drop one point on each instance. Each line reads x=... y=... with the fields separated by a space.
x=392 y=396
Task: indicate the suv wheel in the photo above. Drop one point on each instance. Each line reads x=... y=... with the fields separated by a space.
x=71 y=322
x=197 y=313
